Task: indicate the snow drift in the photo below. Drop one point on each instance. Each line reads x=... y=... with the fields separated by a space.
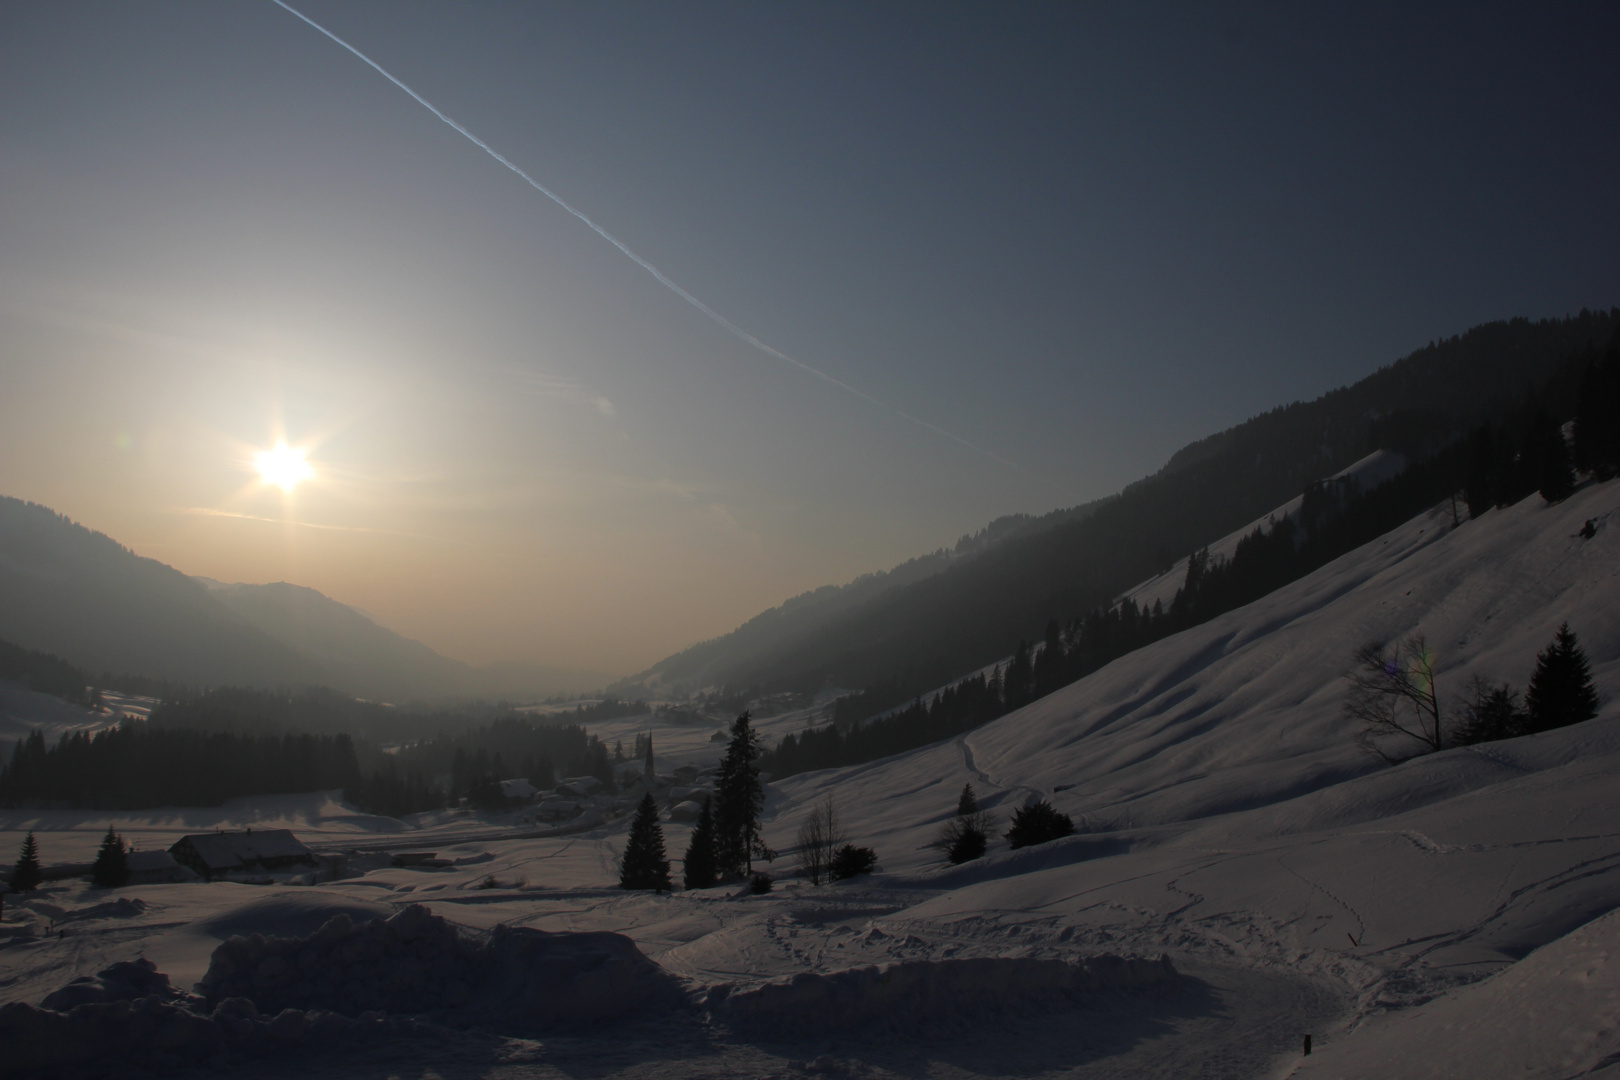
x=416 y=962
x=921 y=992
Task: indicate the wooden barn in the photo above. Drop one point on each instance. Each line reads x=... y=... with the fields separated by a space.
x=217 y=853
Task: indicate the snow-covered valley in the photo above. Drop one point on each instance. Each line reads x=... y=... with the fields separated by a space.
x=1449 y=916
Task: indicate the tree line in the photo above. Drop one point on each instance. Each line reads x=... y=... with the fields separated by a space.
x=142 y=765
x=1334 y=518
x=136 y=767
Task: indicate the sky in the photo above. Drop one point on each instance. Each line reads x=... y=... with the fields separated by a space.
x=1025 y=251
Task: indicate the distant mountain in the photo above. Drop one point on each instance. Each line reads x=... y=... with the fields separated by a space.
x=941 y=616
x=84 y=597
x=88 y=599
x=372 y=661
x=785 y=628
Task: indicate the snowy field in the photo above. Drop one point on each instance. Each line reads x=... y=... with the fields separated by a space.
x=1450 y=916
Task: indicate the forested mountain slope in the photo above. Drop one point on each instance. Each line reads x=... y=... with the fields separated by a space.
x=927 y=628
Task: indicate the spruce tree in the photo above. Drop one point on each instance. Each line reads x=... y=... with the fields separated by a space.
x=699 y=864
x=1597 y=416
x=1561 y=691
x=1038 y=823
x=111 y=868
x=739 y=796
x=966 y=836
x=26 y=875
x=1555 y=478
x=644 y=865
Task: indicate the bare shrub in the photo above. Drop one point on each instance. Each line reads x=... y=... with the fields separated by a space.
x=819 y=837
x=1393 y=700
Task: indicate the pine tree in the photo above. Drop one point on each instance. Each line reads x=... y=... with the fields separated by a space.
x=1492 y=713
x=644 y=865
x=26 y=875
x=111 y=868
x=699 y=863
x=1038 y=823
x=1561 y=691
x=1555 y=478
x=739 y=796
x=1597 y=416
x=966 y=836
x=1483 y=483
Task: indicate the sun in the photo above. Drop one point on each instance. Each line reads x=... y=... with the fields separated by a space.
x=283 y=466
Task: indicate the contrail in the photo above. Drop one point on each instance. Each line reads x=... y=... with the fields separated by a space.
x=663 y=278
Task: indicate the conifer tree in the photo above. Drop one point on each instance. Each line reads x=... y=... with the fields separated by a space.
x=1555 y=478
x=26 y=875
x=1561 y=690
x=739 y=796
x=111 y=868
x=644 y=865
x=1597 y=416
x=966 y=836
x=1038 y=823
x=699 y=864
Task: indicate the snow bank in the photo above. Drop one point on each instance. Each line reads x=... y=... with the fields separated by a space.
x=418 y=962
x=290 y=914
x=347 y=980
x=129 y=1018
x=917 y=992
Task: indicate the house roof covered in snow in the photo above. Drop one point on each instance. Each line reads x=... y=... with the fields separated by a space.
x=140 y=862
x=227 y=850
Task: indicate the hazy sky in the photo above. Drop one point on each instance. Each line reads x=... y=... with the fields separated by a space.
x=1073 y=236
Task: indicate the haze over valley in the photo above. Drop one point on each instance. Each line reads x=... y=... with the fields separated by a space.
x=810 y=540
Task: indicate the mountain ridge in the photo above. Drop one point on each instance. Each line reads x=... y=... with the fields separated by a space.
x=920 y=631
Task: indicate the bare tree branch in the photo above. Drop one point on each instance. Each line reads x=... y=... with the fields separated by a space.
x=1393 y=699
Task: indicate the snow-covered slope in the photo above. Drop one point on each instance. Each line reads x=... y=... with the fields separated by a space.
x=1226 y=817
x=1364 y=475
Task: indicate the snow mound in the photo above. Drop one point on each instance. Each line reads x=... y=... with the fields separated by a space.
x=918 y=992
x=124 y=907
x=124 y=981
x=418 y=962
x=291 y=914
x=129 y=1020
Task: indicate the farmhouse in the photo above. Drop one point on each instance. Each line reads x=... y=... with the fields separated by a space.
x=213 y=854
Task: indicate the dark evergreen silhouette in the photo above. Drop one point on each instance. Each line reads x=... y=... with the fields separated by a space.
x=699 y=865
x=1597 y=415
x=644 y=865
x=1554 y=473
x=135 y=766
x=1561 y=690
x=739 y=797
x=966 y=836
x=1491 y=713
x=111 y=868
x=850 y=860
x=1037 y=823
x=26 y=874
